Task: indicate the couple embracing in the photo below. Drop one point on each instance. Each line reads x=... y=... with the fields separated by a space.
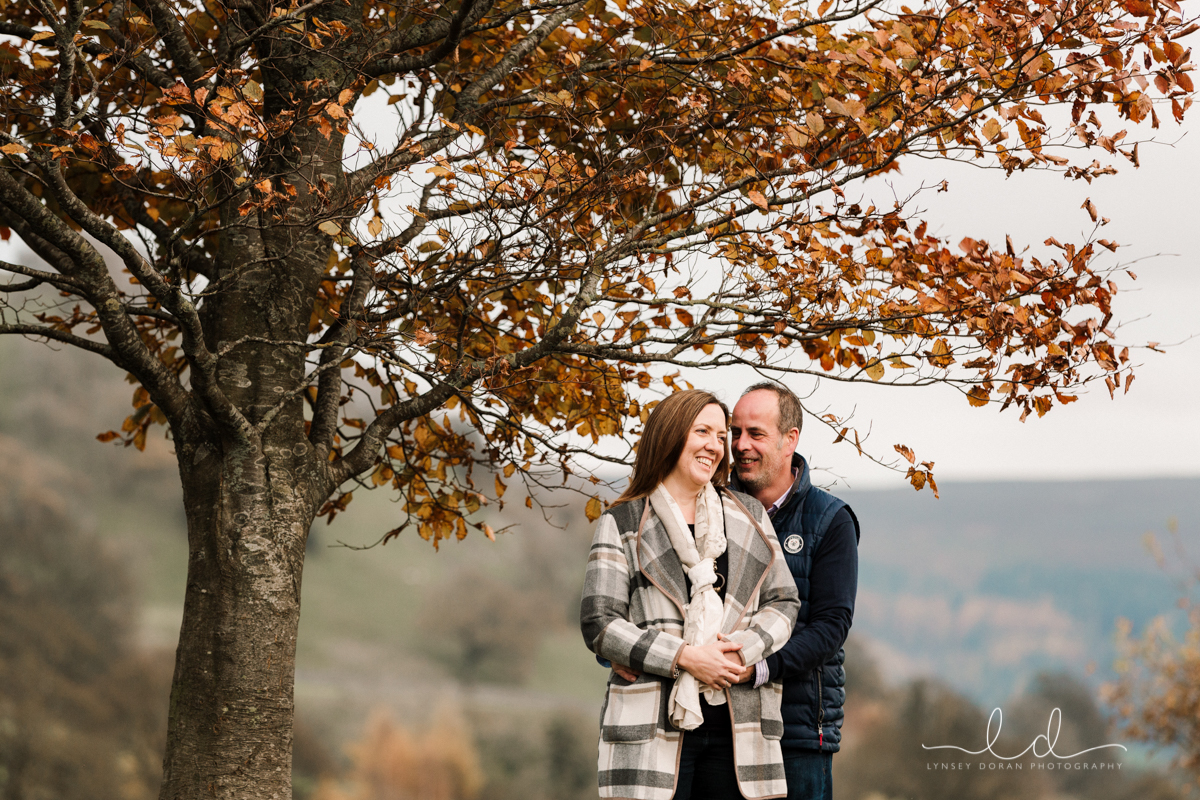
x=721 y=603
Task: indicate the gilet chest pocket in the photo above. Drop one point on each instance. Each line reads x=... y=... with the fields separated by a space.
x=631 y=712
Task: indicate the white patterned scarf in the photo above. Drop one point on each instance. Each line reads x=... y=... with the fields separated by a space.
x=702 y=615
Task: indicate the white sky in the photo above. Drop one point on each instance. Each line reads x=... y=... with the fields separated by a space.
x=1152 y=431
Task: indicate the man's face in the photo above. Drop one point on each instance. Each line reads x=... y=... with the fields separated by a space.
x=760 y=452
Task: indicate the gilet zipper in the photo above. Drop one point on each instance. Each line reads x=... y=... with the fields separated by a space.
x=820 y=712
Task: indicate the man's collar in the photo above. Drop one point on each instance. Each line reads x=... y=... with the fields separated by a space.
x=783 y=498
x=800 y=483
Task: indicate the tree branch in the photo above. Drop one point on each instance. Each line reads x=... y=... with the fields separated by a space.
x=204 y=363
x=447 y=31
x=162 y=16
x=270 y=25
x=340 y=335
x=99 y=348
x=366 y=451
x=469 y=96
x=90 y=274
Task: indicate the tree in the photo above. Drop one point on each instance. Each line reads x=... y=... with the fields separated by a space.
x=887 y=759
x=393 y=763
x=336 y=222
x=1156 y=695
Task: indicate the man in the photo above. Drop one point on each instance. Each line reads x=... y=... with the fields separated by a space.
x=819 y=535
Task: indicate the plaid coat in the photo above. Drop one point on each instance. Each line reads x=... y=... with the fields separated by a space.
x=632 y=613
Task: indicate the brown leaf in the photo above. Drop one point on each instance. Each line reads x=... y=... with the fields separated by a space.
x=991 y=130
x=593 y=509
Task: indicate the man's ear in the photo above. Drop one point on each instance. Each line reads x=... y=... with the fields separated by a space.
x=792 y=439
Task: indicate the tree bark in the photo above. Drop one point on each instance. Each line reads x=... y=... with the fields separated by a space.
x=230 y=726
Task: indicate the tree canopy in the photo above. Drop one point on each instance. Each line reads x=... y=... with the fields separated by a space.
x=516 y=211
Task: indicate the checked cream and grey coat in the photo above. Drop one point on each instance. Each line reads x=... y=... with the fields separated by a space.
x=632 y=613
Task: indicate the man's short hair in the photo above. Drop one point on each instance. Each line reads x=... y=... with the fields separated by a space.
x=791 y=413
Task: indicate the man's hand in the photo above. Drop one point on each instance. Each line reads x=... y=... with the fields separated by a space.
x=747 y=672
x=628 y=673
x=711 y=663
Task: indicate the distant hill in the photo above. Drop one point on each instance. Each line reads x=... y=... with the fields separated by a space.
x=997 y=580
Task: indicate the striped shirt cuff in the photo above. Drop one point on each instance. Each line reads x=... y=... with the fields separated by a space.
x=761 y=674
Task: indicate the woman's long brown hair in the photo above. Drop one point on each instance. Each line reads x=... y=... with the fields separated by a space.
x=666 y=433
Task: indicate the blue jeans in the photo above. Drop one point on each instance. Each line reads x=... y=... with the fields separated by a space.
x=809 y=775
x=706 y=770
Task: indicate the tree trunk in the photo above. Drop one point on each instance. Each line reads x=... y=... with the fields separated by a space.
x=230 y=726
x=250 y=498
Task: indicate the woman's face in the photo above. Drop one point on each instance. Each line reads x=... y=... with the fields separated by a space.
x=703 y=450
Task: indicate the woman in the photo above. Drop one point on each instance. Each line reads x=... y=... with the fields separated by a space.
x=686 y=584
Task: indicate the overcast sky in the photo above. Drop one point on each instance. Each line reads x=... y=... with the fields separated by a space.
x=1152 y=431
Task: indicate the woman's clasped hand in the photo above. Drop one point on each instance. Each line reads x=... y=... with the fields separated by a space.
x=710 y=664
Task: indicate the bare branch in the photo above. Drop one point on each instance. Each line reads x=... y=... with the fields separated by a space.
x=65 y=337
